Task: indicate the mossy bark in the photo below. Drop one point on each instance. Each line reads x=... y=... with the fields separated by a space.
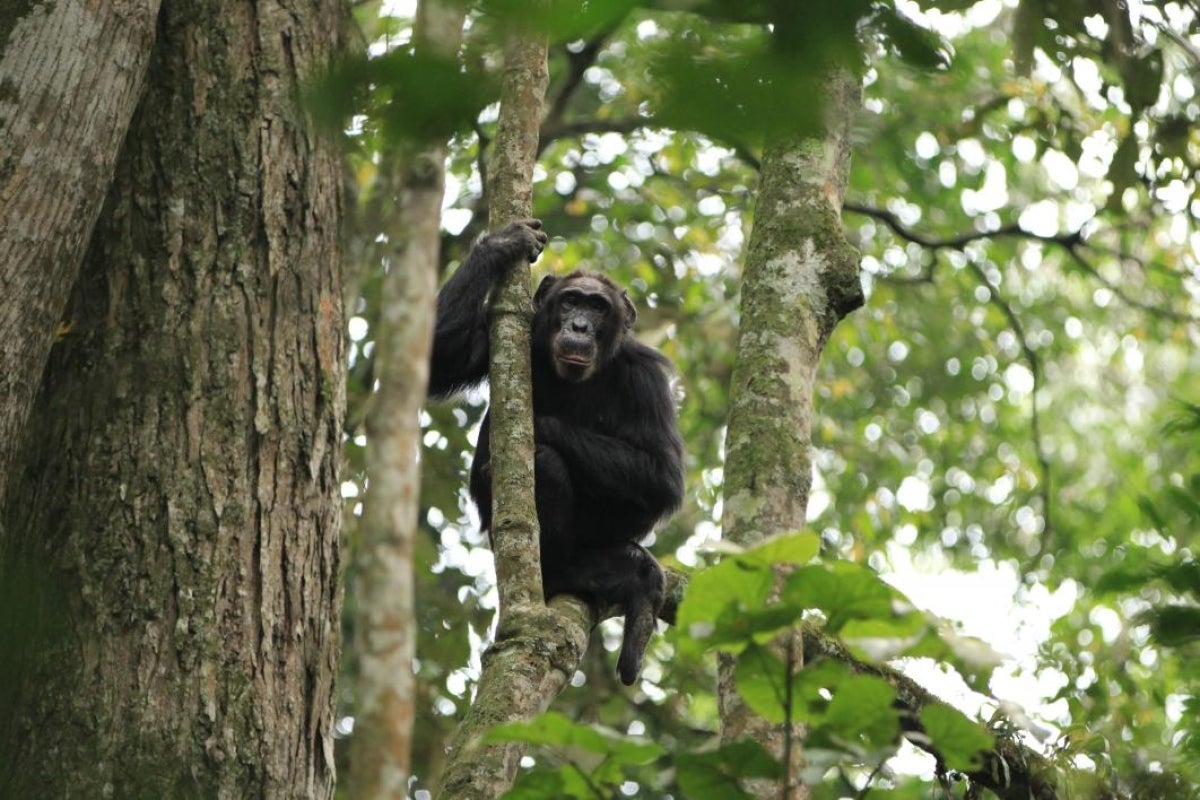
x=801 y=277
x=180 y=513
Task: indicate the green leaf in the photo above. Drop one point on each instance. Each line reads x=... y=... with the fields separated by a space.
x=1183 y=577
x=562 y=20
x=540 y=784
x=899 y=627
x=408 y=96
x=730 y=604
x=1143 y=79
x=794 y=548
x=1147 y=507
x=861 y=713
x=1122 y=170
x=716 y=774
x=762 y=680
x=719 y=603
x=1173 y=625
x=957 y=739
x=813 y=688
x=843 y=590
x=555 y=729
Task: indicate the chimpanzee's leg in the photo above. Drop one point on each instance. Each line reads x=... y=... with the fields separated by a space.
x=629 y=577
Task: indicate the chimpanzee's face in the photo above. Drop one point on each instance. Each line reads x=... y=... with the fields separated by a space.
x=580 y=322
x=586 y=326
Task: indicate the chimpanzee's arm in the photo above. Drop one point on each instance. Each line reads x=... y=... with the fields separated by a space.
x=460 y=337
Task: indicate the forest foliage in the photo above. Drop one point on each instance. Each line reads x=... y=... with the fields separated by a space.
x=1007 y=480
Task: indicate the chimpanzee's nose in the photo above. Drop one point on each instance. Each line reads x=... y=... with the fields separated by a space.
x=579 y=325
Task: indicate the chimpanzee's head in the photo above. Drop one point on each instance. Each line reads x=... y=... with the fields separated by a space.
x=580 y=321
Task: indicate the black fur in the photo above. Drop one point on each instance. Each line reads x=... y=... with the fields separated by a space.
x=609 y=461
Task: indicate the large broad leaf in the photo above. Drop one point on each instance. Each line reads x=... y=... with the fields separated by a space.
x=843 y=590
x=561 y=20
x=765 y=683
x=860 y=716
x=793 y=548
x=957 y=739
x=725 y=605
x=882 y=639
x=1173 y=625
x=542 y=783
x=553 y=728
x=730 y=605
x=716 y=774
x=1122 y=170
x=412 y=97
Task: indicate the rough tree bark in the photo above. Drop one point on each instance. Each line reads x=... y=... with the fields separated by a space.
x=536 y=649
x=801 y=277
x=180 y=490
x=71 y=73
x=409 y=193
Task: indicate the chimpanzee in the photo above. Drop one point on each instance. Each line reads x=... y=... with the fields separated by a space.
x=609 y=461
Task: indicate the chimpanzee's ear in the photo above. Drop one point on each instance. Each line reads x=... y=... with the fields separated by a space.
x=539 y=297
x=630 y=311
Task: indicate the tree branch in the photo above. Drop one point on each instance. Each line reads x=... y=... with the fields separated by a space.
x=1073 y=243
x=552 y=131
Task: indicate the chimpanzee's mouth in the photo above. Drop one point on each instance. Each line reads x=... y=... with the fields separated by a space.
x=581 y=359
x=574 y=364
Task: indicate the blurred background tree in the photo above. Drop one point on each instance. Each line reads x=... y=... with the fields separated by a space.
x=992 y=428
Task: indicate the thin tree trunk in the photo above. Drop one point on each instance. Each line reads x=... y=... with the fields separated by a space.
x=385 y=635
x=71 y=73
x=510 y=197
x=536 y=650
x=801 y=278
x=180 y=492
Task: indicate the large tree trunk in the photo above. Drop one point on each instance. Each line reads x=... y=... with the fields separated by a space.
x=71 y=73
x=801 y=278
x=180 y=493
